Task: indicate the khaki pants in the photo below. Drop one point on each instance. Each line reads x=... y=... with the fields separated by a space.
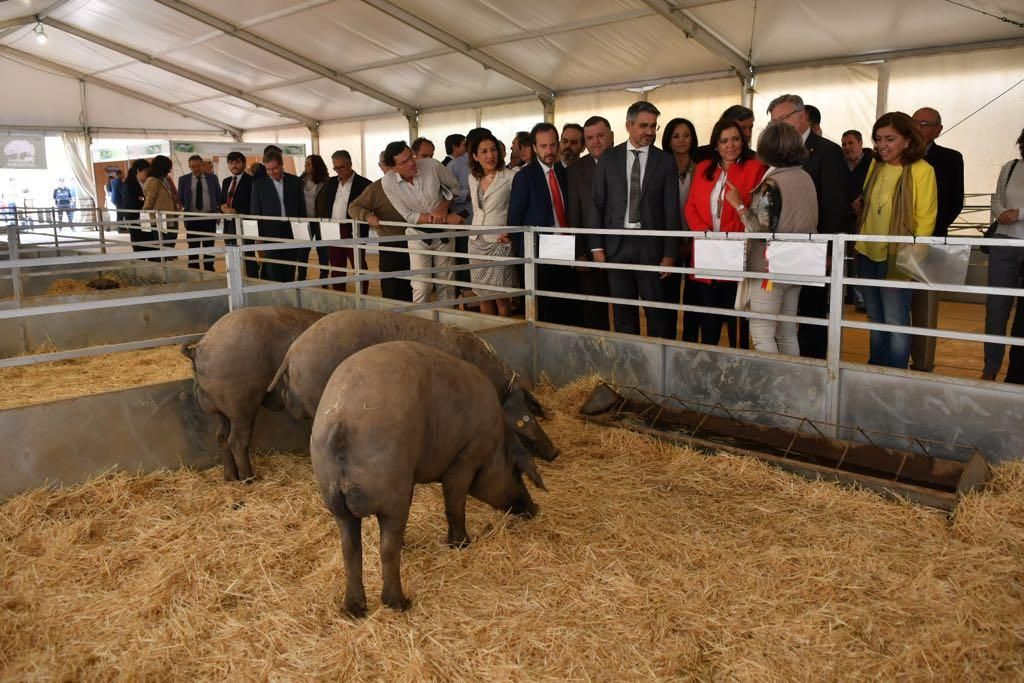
x=443 y=257
x=924 y=312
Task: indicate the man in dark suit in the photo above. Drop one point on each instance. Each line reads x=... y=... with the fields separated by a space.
x=827 y=168
x=199 y=191
x=278 y=194
x=538 y=198
x=333 y=203
x=236 y=191
x=949 y=182
x=637 y=187
x=598 y=138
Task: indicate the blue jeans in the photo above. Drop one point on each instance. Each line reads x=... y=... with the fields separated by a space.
x=888 y=306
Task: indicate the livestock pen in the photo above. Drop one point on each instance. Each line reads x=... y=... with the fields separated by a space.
x=647 y=560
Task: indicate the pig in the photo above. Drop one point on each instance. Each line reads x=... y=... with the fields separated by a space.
x=308 y=365
x=233 y=364
x=399 y=414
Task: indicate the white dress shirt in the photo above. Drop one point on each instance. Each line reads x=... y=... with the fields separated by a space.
x=644 y=155
x=339 y=211
x=431 y=184
x=208 y=201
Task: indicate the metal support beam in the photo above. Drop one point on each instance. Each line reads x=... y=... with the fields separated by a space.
x=747 y=91
x=414 y=126
x=17 y=22
x=286 y=54
x=107 y=132
x=477 y=55
x=177 y=70
x=314 y=138
x=25 y=57
x=693 y=28
x=549 y=110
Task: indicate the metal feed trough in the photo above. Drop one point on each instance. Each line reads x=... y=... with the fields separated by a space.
x=809 y=448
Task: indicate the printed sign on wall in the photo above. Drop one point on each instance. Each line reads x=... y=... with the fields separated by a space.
x=23 y=151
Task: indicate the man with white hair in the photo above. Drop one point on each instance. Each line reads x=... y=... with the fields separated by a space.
x=827 y=167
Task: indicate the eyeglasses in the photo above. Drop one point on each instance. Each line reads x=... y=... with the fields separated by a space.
x=786 y=117
x=654 y=127
x=928 y=124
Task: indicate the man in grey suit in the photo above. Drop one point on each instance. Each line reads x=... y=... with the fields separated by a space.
x=636 y=186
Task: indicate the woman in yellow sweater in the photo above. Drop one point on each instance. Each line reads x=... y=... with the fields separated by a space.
x=899 y=198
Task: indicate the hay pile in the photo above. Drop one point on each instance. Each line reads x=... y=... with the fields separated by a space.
x=646 y=562
x=42 y=382
x=67 y=285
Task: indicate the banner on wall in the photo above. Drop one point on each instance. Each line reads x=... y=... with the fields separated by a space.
x=23 y=151
x=208 y=149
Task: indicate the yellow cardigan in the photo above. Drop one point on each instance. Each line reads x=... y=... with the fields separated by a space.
x=926 y=207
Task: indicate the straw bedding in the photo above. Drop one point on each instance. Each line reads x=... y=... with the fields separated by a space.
x=647 y=561
x=42 y=382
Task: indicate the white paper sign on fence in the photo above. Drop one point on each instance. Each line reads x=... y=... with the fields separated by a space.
x=719 y=255
x=300 y=230
x=797 y=258
x=330 y=231
x=560 y=247
x=250 y=228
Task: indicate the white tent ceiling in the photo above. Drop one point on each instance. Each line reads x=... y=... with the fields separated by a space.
x=233 y=66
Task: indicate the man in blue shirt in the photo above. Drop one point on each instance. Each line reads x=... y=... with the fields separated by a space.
x=64 y=200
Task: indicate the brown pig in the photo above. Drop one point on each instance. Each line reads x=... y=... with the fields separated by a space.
x=399 y=414
x=308 y=365
x=233 y=364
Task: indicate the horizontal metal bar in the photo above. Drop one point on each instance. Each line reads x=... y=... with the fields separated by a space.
x=929 y=332
x=726 y=312
x=704 y=273
x=17 y=361
x=111 y=303
x=447 y=303
x=910 y=284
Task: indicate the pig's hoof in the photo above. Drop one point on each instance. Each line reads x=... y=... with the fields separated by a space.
x=230 y=476
x=459 y=543
x=355 y=610
x=399 y=604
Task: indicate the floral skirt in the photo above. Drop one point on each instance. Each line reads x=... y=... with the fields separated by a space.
x=495 y=276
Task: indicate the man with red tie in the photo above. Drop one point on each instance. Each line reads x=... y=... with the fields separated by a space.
x=538 y=198
x=236 y=191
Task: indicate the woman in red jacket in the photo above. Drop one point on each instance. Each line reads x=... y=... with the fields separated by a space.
x=732 y=162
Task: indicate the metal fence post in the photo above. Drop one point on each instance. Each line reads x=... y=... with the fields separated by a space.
x=529 y=275
x=835 y=329
x=356 y=270
x=233 y=265
x=101 y=224
x=12 y=249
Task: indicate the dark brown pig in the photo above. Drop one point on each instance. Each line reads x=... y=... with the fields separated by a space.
x=233 y=364
x=399 y=414
x=319 y=350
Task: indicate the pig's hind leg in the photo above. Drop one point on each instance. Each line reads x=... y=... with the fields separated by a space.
x=455 y=487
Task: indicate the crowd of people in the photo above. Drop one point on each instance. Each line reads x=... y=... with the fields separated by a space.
x=793 y=180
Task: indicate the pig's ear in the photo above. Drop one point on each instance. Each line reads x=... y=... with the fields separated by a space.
x=523 y=462
x=535 y=407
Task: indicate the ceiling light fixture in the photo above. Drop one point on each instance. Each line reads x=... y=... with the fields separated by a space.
x=40 y=34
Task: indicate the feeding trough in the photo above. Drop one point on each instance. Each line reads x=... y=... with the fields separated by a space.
x=913 y=472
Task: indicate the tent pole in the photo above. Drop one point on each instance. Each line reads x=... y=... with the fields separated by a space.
x=314 y=137
x=549 y=109
x=882 y=98
x=414 y=126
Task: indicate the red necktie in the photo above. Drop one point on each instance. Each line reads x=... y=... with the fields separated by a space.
x=556 y=200
x=231 y=190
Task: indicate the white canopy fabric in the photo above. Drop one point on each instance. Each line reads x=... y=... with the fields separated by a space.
x=357 y=68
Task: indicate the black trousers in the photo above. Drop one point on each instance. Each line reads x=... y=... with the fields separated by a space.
x=389 y=262
x=718 y=294
x=593 y=282
x=1015 y=371
x=813 y=338
x=558 y=311
x=194 y=241
x=643 y=285
x=673 y=286
x=691 y=319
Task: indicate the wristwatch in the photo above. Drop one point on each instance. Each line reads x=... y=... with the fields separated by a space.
x=740 y=208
